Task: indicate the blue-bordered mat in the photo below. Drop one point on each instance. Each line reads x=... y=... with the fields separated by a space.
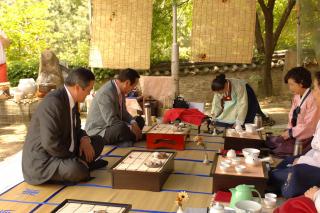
x=190 y=175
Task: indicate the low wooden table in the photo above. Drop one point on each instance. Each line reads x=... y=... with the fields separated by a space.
x=131 y=172
x=166 y=136
x=247 y=140
x=253 y=175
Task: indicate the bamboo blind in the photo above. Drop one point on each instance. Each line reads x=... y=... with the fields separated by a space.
x=223 y=30
x=121 y=34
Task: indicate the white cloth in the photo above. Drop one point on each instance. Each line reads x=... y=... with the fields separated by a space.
x=312 y=157
x=2 y=52
x=71 y=103
x=316 y=200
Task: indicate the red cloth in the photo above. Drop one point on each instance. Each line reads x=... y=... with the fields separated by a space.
x=192 y=116
x=3 y=73
x=300 y=204
x=224 y=197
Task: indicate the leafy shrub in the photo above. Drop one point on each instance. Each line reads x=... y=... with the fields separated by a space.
x=22 y=69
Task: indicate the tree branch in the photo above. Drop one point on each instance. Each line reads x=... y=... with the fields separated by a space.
x=259 y=37
x=283 y=21
x=271 y=4
x=263 y=6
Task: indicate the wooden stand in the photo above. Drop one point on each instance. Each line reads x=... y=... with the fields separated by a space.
x=253 y=175
x=165 y=136
x=250 y=140
x=142 y=178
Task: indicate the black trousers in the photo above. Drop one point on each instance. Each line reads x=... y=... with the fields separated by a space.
x=121 y=135
x=71 y=170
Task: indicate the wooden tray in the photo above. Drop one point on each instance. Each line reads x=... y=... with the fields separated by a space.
x=135 y=175
x=255 y=175
x=91 y=206
x=250 y=140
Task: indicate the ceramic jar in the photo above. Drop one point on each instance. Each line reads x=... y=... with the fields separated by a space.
x=27 y=86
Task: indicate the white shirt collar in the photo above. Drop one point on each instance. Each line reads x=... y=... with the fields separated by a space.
x=118 y=89
x=71 y=101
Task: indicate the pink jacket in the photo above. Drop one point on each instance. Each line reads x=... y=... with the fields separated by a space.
x=307 y=118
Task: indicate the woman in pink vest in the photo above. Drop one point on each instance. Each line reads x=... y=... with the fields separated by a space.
x=303 y=116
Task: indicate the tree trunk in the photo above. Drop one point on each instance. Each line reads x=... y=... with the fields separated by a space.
x=267 y=89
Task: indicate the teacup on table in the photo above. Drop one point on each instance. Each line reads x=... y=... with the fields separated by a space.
x=240 y=168
x=224 y=166
x=251 y=128
x=270 y=200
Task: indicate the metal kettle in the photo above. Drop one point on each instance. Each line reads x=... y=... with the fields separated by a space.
x=258 y=121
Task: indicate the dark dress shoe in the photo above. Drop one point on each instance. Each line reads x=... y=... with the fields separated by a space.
x=98 y=164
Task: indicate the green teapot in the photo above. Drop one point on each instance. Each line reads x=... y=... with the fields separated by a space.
x=242 y=192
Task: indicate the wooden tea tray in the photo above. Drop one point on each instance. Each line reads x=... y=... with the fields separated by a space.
x=249 y=140
x=130 y=172
x=70 y=205
x=253 y=175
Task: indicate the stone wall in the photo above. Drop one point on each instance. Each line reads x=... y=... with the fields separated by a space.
x=197 y=88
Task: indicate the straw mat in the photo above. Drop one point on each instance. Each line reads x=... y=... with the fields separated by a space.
x=223 y=31
x=190 y=175
x=121 y=34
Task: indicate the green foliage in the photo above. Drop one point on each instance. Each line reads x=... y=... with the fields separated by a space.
x=24 y=22
x=161 y=43
x=287 y=38
x=22 y=69
x=69 y=33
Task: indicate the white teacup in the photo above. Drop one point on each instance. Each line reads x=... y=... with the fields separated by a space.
x=224 y=166
x=270 y=202
x=245 y=206
x=240 y=168
x=235 y=161
x=270 y=195
x=250 y=127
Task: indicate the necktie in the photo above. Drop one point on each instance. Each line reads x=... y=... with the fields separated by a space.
x=120 y=105
x=74 y=131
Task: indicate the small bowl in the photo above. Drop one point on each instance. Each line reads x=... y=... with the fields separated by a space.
x=240 y=169
x=224 y=167
x=250 y=152
x=227 y=161
x=235 y=161
x=248 y=206
x=270 y=202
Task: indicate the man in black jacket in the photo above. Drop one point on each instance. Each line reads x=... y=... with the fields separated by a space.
x=56 y=148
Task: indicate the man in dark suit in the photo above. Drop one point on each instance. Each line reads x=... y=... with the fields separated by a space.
x=108 y=115
x=56 y=148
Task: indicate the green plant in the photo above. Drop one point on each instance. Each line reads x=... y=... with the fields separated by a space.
x=22 y=69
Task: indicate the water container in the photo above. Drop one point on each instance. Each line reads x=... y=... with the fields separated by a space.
x=147 y=114
x=258 y=121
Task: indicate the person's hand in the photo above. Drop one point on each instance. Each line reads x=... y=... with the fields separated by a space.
x=86 y=149
x=137 y=131
x=285 y=135
x=238 y=128
x=311 y=192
